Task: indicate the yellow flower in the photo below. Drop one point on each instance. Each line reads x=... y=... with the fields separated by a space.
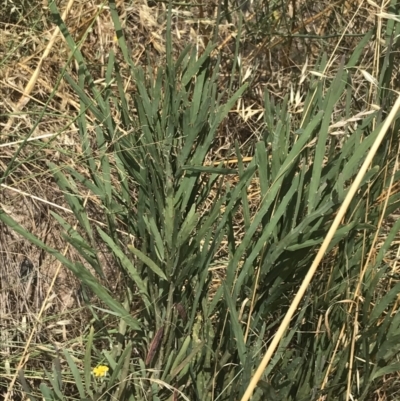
x=276 y=15
x=100 y=371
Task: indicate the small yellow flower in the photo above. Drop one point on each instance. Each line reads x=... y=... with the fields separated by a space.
x=276 y=15
x=100 y=371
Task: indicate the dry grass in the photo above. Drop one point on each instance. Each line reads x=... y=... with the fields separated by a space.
x=278 y=57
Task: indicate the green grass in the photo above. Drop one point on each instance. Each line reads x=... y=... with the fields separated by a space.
x=154 y=218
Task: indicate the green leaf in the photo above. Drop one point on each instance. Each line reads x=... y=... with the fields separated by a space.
x=181 y=354
x=152 y=228
x=127 y=264
x=235 y=325
x=26 y=387
x=386 y=370
x=48 y=395
x=147 y=261
x=188 y=226
x=117 y=367
x=75 y=373
x=195 y=66
x=88 y=362
x=185 y=364
x=74 y=200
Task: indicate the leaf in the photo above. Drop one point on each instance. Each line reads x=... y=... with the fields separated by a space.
x=75 y=373
x=118 y=367
x=72 y=198
x=188 y=226
x=186 y=362
x=87 y=364
x=48 y=395
x=155 y=233
x=235 y=325
x=127 y=264
x=147 y=261
x=181 y=354
x=386 y=370
x=26 y=387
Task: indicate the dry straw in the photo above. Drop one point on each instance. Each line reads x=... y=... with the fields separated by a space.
x=23 y=101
